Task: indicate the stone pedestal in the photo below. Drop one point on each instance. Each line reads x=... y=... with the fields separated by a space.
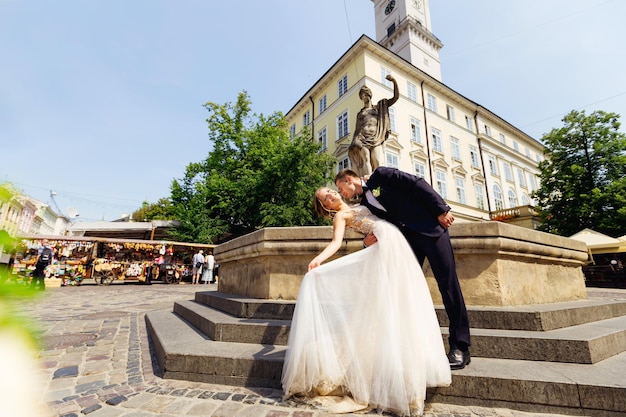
x=498 y=264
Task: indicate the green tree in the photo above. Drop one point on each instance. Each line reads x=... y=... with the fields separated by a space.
x=161 y=210
x=255 y=176
x=583 y=178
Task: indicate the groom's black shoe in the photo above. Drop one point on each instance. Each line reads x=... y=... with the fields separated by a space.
x=458 y=359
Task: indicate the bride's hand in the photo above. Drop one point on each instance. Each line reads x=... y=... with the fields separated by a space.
x=314 y=264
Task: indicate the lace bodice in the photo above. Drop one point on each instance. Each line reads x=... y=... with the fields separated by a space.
x=363 y=221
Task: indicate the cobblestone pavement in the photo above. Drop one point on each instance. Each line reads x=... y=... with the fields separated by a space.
x=96 y=361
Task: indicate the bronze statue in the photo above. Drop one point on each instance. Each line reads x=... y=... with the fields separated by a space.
x=372 y=129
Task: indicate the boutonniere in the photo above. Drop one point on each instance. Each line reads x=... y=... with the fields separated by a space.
x=376 y=192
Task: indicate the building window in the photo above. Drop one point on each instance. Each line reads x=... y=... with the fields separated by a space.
x=508 y=174
x=416 y=132
x=459 y=182
x=342 y=85
x=474 y=158
x=521 y=177
x=533 y=182
x=497 y=197
x=450 y=113
x=516 y=146
x=512 y=198
x=432 y=103
x=440 y=183
x=420 y=169
x=391 y=29
x=392 y=119
x=384 y=72
x=469 y=123
x=527 y=153
x=502 y=139
x=493 y=165
x=342 y=124
x=323 y=103
x=437 y=143
x=292 y=131
x=392 y=160
x=411 y=91
x=343 y=163
x=306 y=119
x=456 y=150
x=322 y=138
x=480 y=195
x=525 y=200
x=488 y=130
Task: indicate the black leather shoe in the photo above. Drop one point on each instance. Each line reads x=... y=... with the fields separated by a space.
x=458 y=359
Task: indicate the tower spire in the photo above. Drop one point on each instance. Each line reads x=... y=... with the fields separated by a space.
x=404 y=27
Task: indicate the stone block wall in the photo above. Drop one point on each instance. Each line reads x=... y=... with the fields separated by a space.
x=498 y=264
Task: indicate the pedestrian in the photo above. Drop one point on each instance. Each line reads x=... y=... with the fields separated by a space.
x=197 y=262
x=44 y=258
x=209 y=264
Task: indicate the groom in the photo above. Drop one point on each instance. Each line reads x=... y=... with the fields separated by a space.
x=423 y=217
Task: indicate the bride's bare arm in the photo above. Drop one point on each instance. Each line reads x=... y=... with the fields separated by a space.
x=339 y=228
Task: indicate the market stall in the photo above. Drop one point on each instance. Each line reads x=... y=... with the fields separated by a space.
x=108 y=260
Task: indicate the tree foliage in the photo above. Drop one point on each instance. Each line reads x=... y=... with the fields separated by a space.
x=583 y=178
x=255 y=176
x=161 y=210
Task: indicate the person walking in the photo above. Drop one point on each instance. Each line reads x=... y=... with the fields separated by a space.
x=44 y=258
x=423 y=217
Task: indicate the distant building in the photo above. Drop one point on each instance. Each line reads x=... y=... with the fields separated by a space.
x=21 y=215
x=482 y=165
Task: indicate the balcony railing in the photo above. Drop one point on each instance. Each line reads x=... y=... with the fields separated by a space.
x=525 y=216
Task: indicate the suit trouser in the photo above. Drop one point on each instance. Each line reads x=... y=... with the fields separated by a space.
x=438 y=251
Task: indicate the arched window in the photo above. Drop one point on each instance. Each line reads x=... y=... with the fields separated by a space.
x=525 y=200
x=497 y=197
x=512 y=198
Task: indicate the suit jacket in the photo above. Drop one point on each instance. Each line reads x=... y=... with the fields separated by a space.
x=409 y=200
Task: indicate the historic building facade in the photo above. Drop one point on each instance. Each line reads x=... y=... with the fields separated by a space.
x=482 y=165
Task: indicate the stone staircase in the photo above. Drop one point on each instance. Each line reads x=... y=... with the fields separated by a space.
x=566 y=357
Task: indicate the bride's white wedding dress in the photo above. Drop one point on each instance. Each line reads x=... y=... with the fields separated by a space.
x=364 y=331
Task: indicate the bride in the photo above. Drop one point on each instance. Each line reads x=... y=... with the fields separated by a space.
x=364 y=332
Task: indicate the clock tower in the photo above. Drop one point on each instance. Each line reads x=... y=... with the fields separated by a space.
x=403 y=27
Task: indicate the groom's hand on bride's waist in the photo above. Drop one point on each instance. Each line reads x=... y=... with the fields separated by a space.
x=369 y=240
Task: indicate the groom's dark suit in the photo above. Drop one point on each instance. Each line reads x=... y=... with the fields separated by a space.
x=413 y=206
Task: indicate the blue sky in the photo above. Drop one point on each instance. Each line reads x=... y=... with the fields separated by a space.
x=102 y=101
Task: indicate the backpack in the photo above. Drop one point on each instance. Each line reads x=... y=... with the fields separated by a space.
x=45 y=257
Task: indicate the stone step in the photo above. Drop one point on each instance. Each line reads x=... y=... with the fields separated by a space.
x=223 y=327
x=541 y=317
x=246 y=307
x=185 y=354
x=536 y=317
x=595 y=390
x=576 y=389
x=585 y=343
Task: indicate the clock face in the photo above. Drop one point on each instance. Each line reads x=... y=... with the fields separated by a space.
x=390 y=6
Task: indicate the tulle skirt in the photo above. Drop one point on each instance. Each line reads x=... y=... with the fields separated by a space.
x=364 y=330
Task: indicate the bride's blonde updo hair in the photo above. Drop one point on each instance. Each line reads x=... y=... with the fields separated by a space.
x=319 y=207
